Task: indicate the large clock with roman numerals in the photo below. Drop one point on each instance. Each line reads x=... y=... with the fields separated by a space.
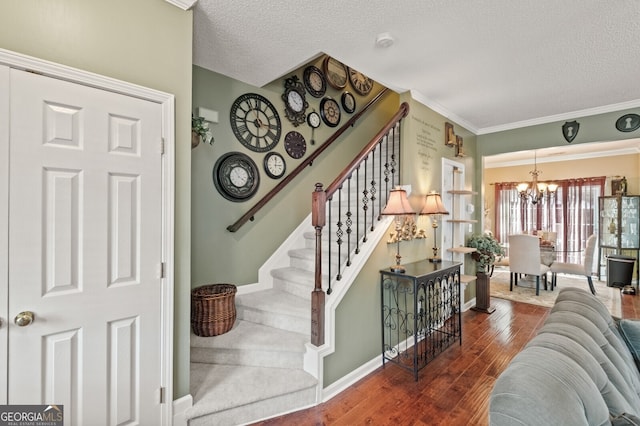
x=255 y=122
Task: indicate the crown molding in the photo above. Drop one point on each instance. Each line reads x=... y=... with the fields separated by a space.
x=561 y=117
x=419 y=97
x=183 y=4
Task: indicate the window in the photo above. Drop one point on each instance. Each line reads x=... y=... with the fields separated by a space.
x=570 y=212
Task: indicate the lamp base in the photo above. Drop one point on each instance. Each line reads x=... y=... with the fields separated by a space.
x=435 y=260
x=397 y=268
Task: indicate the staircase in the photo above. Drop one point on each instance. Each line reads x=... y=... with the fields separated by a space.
x=256 y=370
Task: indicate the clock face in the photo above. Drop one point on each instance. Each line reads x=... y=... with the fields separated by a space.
x=255 y=122
x=348 y=102
x=336 y=73
x=360 y=82
x=313 y=120
x=295 y=145
x=330 y=112
x=274 y=165
x=314 y=81
x=236 y=176
x=294 y=100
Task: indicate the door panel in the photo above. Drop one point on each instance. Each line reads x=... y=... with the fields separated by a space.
x=84 y=251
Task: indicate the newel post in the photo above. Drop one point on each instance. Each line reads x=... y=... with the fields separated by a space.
x=318 y=220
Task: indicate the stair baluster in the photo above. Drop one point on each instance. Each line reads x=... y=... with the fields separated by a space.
x=386 y=143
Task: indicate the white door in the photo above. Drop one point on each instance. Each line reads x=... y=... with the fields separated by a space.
x=85 y=236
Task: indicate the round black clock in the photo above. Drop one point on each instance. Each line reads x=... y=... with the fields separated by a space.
x=330 y=112
x=335 y=72
x=360 y=82
x=274 y=165
x=348 y=102
x=295 y=145
x=236 y=176
x=255 y=122
x=314 y=81
x=294 y=100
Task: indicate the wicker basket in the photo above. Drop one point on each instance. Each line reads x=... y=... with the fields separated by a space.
x=213 y=309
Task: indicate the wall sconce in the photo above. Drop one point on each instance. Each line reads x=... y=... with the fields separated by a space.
x=433 y=207
x=453 y=140
x=398 y=206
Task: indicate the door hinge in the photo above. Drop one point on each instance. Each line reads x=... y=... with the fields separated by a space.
x=161 y=146
x=162 y=395
x=161 y=270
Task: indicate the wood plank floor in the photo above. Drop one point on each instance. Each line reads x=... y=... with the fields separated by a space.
x=453 y=389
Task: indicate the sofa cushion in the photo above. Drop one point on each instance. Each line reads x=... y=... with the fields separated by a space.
x=630 y=330
x=543 y=387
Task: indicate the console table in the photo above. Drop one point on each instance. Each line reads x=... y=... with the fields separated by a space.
x=420 y=313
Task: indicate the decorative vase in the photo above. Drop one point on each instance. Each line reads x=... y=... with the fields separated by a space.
x=195 y=139
x=483 y=296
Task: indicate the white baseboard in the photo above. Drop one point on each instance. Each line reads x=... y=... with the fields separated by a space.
x=351 y=378
x=180 y=407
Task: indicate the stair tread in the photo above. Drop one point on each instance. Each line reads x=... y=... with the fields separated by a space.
x=217 y=388
x=276 y=301
x=253 y=336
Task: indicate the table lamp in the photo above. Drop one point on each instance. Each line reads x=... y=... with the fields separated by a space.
x=433 y=207
x=398 y=205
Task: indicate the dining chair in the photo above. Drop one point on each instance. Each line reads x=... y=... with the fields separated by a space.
x=524 y=258
x=585 y=268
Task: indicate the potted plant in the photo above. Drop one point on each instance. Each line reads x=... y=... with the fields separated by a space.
x=200 y=131
x=487 y=251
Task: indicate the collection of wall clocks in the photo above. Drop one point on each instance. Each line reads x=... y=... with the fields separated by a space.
x=255 y=122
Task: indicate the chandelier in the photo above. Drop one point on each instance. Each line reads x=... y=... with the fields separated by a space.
x=535 y=190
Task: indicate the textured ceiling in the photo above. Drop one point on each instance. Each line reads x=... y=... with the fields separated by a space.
x=489 y=65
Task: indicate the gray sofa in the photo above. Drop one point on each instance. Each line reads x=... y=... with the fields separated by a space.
x=581 y=369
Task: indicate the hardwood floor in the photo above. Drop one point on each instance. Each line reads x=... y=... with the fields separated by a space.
x=453 y=389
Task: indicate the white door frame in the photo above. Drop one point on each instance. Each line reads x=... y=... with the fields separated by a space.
x=167 y=101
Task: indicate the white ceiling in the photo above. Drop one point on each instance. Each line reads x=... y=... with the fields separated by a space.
x=488 y=65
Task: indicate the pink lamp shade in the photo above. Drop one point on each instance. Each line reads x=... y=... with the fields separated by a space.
x=398 y=203
x=433 y=205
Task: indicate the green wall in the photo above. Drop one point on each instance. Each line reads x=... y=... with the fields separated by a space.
x=220 y=256
x=146 y=42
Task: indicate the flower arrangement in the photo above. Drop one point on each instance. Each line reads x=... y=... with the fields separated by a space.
x=201 y=129
x=487 y=249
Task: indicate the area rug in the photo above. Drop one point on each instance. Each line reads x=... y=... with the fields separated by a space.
x=525 y=291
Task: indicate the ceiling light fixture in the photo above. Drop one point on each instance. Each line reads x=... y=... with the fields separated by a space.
x=384 y=40
x=536 y=190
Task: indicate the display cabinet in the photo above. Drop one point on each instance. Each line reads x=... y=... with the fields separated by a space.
x=421 y=313
x=618 y=227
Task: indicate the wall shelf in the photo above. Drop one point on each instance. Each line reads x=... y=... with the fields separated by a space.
x=464 y=250
x=462 y=221
x=462 y=192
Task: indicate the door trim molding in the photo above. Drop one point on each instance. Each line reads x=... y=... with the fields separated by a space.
x=167 y=102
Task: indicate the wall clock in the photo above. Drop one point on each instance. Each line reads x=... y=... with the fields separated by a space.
x=335 y=72
x=348 y=102
x=295 y=145
x=236 y=176
x=294 y=100
x=360 y=82
x=274 y=165
x=313 y=120
x=330 y=112
x=314 y=81
x=255 y=122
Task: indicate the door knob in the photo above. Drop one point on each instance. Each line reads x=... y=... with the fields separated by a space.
x=23 y=319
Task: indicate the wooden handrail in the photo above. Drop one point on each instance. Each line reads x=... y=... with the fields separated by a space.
x=284 y=182
x=335 y=185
